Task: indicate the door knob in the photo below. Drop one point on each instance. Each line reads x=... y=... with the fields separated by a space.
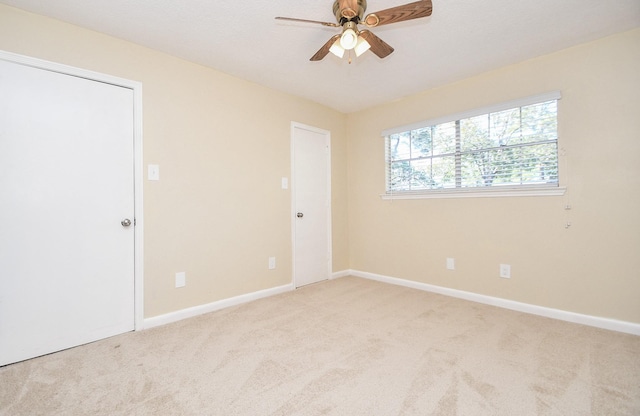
x=125 y=222
x=299 y=215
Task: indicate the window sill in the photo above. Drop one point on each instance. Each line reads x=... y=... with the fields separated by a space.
x=496 y=192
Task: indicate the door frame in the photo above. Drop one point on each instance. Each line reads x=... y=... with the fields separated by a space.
x=138 y=230
x=327 y=134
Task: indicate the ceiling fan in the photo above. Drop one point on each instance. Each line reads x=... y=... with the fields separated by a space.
x=350 y=14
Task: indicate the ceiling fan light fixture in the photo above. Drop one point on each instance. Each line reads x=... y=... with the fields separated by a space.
x=361 y=46
x=349 y=39
x=337 y=49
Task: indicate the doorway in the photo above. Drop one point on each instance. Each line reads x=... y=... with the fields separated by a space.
x=71 y=217
x=311 y=170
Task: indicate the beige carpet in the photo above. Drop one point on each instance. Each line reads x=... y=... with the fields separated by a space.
x=343 y=347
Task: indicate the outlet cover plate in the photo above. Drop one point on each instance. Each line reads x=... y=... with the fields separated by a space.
x=451 y=263
x=505 y=271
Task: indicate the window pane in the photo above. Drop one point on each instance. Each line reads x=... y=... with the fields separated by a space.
x=486 y=168
x=420 y=142
x=539 y=164
x=504 y=127
x=444 y=138
x=507 y=166
x=471 y=171
x=540 y=122
x=474 y=133
x=399 y=146
x=444 y=172
x=421 y=174
x=400 y=176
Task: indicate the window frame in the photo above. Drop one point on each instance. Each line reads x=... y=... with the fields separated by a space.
x=465 y=192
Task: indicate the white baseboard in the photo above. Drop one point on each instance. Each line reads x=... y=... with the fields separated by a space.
x=595 y=321
x=214 y=306
x=337 y=275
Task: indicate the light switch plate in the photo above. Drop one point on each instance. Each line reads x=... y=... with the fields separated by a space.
x=154 y=172
x=181 y=279
x=285 y=183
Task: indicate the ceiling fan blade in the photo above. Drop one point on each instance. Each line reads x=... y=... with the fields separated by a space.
x=308 y=21
x=325 y=49
x=415 y=10
x=378 y=46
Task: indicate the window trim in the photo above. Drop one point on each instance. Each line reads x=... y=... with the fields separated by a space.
x=478 y=192
x=493 y=192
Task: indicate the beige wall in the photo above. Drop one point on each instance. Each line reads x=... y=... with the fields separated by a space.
x=591 y=268
x=202 y=127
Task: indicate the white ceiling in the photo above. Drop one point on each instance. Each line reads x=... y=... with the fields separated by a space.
x=462 y=38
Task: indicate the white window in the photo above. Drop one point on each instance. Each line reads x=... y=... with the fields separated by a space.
x=501 y=150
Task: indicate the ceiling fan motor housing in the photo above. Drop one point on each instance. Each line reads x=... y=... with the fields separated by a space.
x=344 y=13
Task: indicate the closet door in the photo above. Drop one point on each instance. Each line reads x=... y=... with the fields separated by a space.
x=66 y=211
x=312 y=204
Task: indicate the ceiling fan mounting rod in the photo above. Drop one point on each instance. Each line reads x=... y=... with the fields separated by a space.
x=348 y=10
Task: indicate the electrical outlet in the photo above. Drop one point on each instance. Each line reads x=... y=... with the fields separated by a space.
x=272 y=263
x=505 y=271
x=451 y=264
x=181 y=279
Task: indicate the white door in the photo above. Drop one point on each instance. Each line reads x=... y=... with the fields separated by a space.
x=66 y=184
x=311 y=202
